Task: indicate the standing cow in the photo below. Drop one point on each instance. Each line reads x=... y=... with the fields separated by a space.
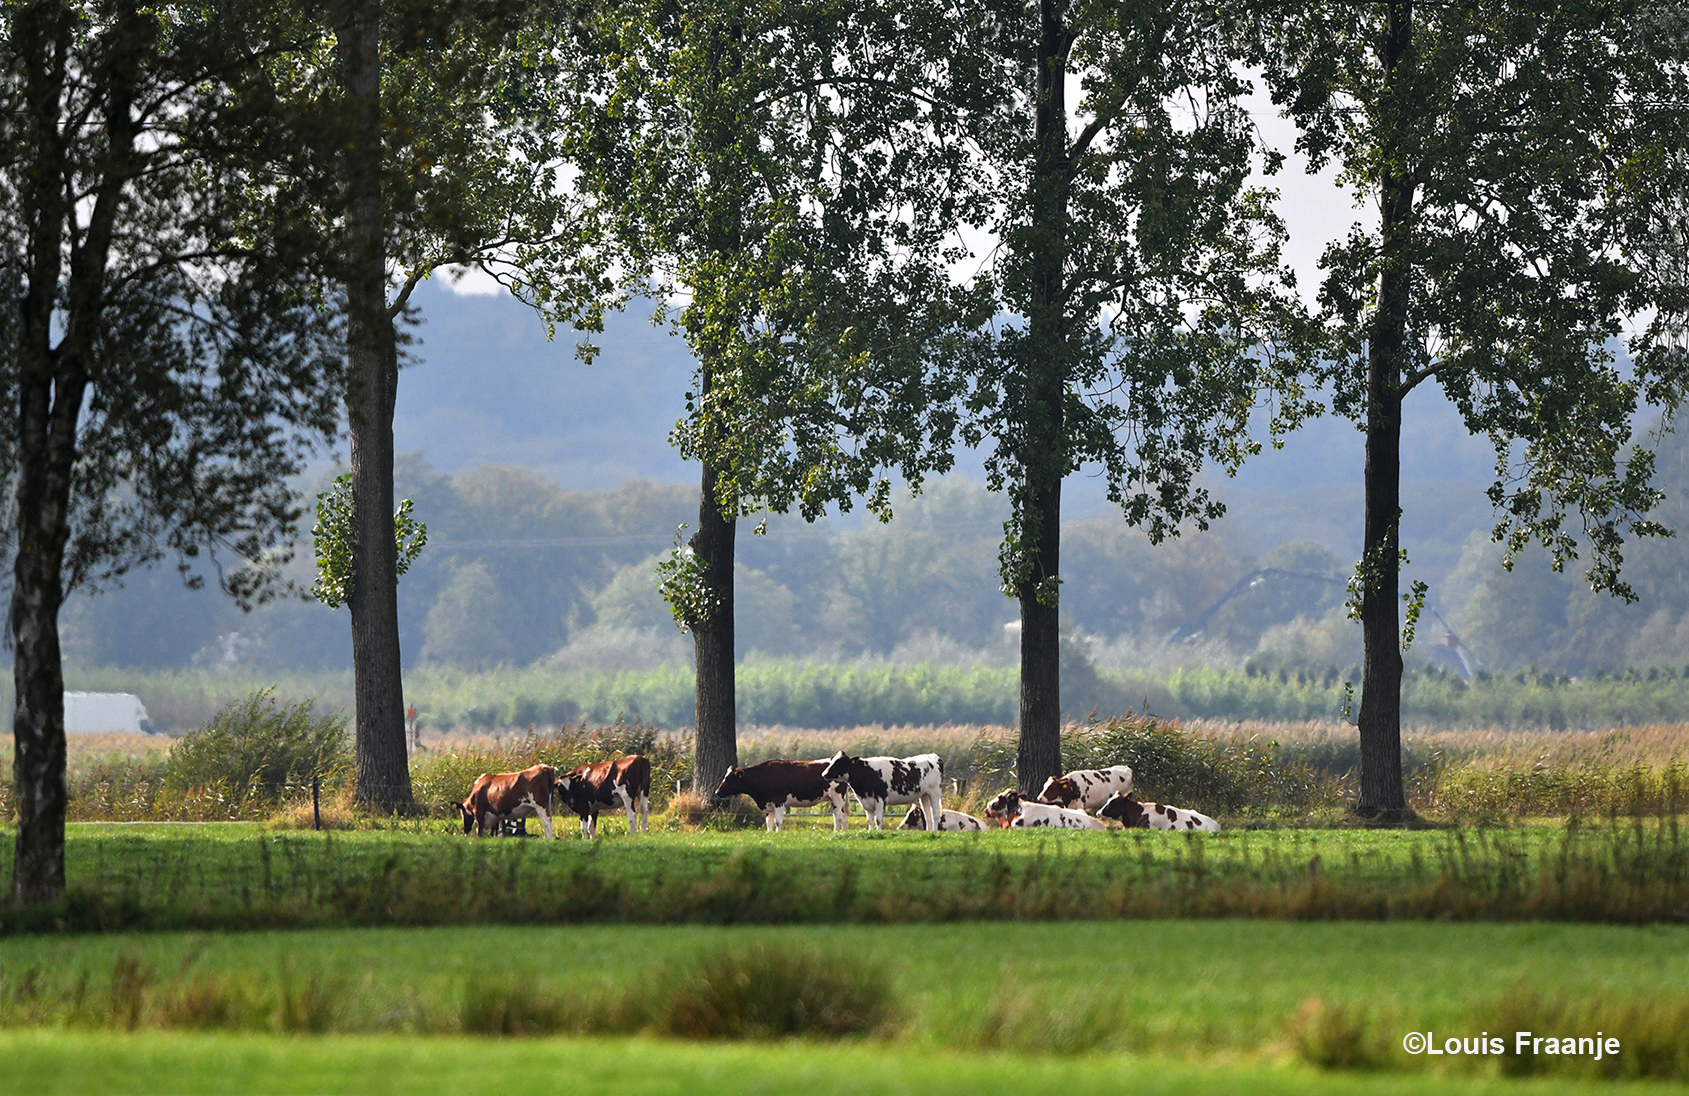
x=779 y=784
x=1011 y=811
x=1086 y=789
x=497 y=798
x=877 y=781
x=624 y=782
x=1155 y=816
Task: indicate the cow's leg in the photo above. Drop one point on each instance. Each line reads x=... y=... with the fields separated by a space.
x=874 y=809
x=631 y=808
x=545 y=822
x=841 y=816
x=932 y=807
x=644 y=813
x=779 y=816
x=586 y=835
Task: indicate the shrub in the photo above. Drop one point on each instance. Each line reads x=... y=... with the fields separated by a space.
x=257 y=747
x=1337 y=1037
x=772 y=992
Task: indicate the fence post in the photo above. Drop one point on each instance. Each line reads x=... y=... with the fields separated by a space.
x=316 y=811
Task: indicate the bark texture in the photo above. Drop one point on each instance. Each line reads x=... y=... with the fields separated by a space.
x=1038 y=754
x=716 y=745
x=1382 y=794
x=383 y=781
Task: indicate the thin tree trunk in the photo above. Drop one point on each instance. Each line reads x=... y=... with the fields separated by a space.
x=52 y=385
x=1043 y=460
x=716 y=745
x=1382 y=794
x=372 y=358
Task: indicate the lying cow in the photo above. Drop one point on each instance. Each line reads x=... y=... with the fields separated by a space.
x=1086 y=789
x=916 y=819
x=1010 y=810
x=496 y=799
x=1155 y=816
x=624 y=782
x=777 y=785
x=877 y=781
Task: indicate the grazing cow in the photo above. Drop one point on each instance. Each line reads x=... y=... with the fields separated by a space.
x=877 y=781
x=776 y=785
x=1086 y=789
x=496 y=798
x=916 y=819
x=624 y=782
x=1010 y=810
x=1155 y=816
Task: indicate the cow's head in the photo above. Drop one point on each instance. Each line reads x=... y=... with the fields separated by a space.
x=1005 y=808
x=468 y=813
x=916 y=819
x=838 y=766
x=731 y=784
x=1126 y=810
x=1059 y=791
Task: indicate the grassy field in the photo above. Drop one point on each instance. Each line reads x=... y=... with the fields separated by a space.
x=47 y=1063
x=242 y=876
x=1229 y=1000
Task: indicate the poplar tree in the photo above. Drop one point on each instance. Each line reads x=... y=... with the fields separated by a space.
x=775 y=175
x=435 y=157
x=1522 y=157
x=168 y=357
x=1141 y=303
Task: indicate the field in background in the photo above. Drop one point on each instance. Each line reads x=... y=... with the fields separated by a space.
x=801 y=694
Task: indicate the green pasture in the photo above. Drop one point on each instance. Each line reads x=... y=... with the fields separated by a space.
x=1169 y=987
x=44 y=1063
x=241 y=876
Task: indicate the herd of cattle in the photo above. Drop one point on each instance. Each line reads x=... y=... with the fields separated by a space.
x=499 y=803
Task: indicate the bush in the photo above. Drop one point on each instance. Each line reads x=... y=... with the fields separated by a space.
x=255 y=748
x=771 y=992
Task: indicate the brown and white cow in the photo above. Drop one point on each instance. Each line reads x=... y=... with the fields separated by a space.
x=624 y=782
x=1086 y=789
x=496 y=798
x=779 y=784
x=877 y=781
x=1010 y=810
x=1155 y=816
x=916 y=819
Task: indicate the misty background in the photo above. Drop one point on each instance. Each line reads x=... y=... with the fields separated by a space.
x=549 y=490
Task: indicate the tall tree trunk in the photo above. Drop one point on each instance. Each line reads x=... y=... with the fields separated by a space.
x=52 y=384
x=716 y=746
x=1038 y=754
x=1044 y=458
x=384 y=781
x=1382 y=794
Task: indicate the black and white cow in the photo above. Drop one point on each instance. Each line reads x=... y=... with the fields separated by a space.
x=877 y=781
x=1011 y=811
x=916 y=819
x=1086 y=789
x=776 y=785
x=1155 y=816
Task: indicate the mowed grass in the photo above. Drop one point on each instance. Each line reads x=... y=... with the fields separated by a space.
x=241 y=876
x=1166 y=987
x=93 y=1065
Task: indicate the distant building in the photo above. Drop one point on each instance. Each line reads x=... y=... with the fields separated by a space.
x=96 y=713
